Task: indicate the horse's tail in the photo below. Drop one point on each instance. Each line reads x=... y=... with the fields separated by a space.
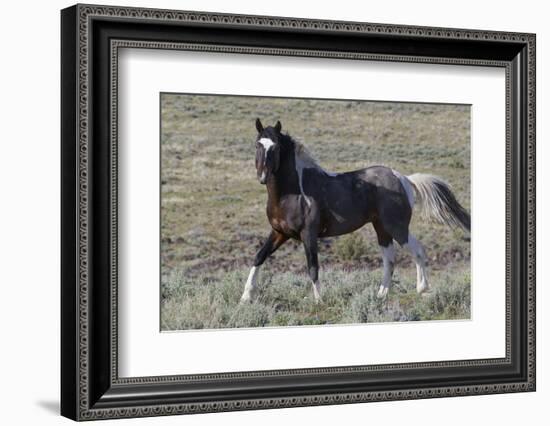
x=436 y=201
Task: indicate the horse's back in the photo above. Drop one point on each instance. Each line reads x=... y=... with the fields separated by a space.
x=381 y=177
x=346 y=201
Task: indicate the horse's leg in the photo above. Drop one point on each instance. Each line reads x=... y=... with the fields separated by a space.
x=309 y=238
x=273 y=242
x=395 y=215
x=400 y=233
x=419 y=256
x=385 y=241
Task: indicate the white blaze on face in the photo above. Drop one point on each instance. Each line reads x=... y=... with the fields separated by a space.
x=267 y=144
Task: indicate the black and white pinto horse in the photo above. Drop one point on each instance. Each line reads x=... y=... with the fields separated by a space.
x=305 y=202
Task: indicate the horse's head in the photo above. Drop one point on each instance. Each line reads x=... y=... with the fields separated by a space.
x=268 y=150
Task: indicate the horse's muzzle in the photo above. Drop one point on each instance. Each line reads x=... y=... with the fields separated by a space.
x=263 y=178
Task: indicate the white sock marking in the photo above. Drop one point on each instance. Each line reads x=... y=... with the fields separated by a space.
x=317 y=291
x=419 y=257
x=388 y=257
x=251 y=284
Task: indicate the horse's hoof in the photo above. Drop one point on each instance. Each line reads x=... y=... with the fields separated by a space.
x=245 y=299
x=423 y=289
x=382 y=292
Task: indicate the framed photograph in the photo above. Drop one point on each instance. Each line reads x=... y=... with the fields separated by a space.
x=263 y=212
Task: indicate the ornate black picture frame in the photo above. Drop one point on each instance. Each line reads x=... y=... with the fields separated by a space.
x=90 y=38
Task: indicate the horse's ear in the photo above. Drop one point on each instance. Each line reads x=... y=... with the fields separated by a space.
x=259 y=126
x=278 y=127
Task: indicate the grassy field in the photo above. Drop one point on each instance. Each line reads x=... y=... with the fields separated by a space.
x=213 y=212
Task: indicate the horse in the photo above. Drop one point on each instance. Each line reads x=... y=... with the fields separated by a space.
x=305 y=202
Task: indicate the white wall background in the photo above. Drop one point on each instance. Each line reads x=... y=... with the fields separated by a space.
x=29 y=225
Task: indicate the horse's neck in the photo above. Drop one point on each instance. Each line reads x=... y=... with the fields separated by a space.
x=273 y=191
x=279 y=185
x=285 y=180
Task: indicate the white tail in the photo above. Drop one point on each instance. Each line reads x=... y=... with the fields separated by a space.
x=436 y=201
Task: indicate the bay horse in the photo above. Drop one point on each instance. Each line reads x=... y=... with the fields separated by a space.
x=305 y=202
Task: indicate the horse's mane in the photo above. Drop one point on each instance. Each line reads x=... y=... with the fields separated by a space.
x=303 y=154
x=304 y=160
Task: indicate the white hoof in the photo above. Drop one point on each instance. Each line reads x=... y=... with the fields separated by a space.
x=246 y=298
x=422 y=288
x=382 y=292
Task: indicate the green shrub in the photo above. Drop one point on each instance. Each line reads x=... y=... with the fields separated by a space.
x=451 y=300
x=250 y=315
x=365 y=307
x=351 y=247
x=286 y=299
